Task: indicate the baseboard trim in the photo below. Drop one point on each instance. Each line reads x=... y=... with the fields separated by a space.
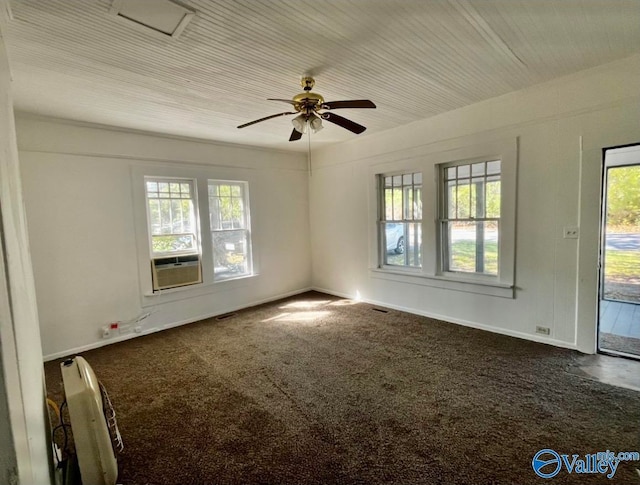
x=456 y=321
x=103 y=343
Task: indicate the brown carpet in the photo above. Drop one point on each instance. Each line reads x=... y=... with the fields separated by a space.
x=319 y=390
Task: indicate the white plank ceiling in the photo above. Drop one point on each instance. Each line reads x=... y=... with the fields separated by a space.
x=413 y=58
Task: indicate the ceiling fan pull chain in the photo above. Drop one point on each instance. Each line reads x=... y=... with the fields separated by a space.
x=309 y=151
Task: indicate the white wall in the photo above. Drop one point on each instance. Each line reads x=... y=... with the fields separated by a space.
x=80 y=196
x=558 y=185
x=24 y=429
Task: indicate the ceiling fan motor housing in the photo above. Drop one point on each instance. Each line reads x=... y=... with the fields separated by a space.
x=307 y=101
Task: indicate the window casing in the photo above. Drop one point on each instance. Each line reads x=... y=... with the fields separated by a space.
x=400 y=220
x=188 y=217
x=470 y=209
x=171 y=216
x=230 y=228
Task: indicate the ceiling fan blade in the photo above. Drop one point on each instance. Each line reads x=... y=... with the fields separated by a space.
x=295 y=135
x=267 y=118
x=278 y=99
x=356 y=103
x=345 y=123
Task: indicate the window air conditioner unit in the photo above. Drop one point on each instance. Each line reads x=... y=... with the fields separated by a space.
x=175 y=271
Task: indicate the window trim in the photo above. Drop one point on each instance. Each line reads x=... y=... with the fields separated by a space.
x=427 y=160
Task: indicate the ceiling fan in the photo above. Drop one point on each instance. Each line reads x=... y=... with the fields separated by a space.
x=312 y=109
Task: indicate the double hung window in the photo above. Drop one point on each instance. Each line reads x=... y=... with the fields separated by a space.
x=171 y=209
x=230 y=228
x=470 y=217
x=400 y=220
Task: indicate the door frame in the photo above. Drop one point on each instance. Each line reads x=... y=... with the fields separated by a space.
x=602 y=246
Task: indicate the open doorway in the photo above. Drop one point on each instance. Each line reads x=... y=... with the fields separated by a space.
x=619 y=291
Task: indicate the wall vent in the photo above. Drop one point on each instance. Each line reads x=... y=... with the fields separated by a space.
x=176 y=271
x=165 y=18
x=225 y=316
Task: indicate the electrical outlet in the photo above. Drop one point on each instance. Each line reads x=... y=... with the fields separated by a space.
x=137 y=329
x=106 y=332
x=543 y=330
x=571 y=232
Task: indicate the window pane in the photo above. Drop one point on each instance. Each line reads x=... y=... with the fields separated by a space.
x=493 y=168
x=477 y=169
x=462 y=246
x=171 y=243
x=154 y=216
x=473 y=247
x=452 y=197
x=388 y=204
x=477 y=197
x=225 y=211
x=397 y=181
x=451 y=173
x=236 y=213
x=463 y=171
x=491 y=247
x=463 y=201
x=388 y=181
x=231 y=254
x=397 y=204
x=163 y=187
x=214 y=213
x=176 y=219
x=407 y=179
x=235 y=191
x=417 y=178
x=152 y=186
x=402 y=244
x=165 y=216
x=492 y=199
x=408 y=204
x=417 y=201
x=188 y=215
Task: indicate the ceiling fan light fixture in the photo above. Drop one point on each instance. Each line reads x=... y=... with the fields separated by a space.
x=300 y=123
x=316 y=124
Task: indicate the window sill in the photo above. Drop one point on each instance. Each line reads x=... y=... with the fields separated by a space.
x=448 y=282
x=151 y=298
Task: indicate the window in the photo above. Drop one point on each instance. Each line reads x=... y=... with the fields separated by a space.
x=171 y=210
x=230 y=228
x=400 y=220
x=470 y=217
